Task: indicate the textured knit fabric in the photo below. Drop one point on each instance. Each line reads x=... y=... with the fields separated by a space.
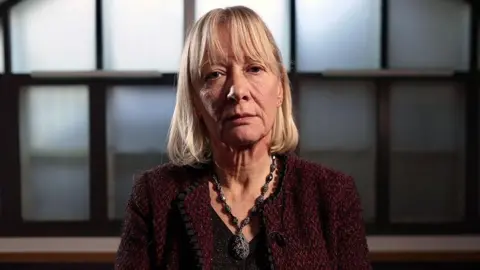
x=312 y=222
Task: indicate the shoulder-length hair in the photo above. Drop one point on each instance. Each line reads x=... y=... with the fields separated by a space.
x=187 y=139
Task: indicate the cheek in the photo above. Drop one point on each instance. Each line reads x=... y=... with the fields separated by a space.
x=210 y=103
x=268 y=100
x=270 y=107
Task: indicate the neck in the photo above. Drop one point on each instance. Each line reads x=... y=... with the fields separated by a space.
x=242 y=170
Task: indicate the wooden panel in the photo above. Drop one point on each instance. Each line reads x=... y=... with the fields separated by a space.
x=109 y=257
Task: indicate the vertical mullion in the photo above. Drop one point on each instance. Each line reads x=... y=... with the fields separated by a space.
x=7 y=43
x=293 y=37
x=98 y=153
x=99 y=34
x=384 y=30
x=294 y=81
x=10 y=182
x=472 y=113
x=382 y=168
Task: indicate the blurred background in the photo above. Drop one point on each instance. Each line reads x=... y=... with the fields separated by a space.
x=384 y=90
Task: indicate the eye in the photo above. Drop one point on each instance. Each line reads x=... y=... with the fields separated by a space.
x=255 y=69
x=212 y=76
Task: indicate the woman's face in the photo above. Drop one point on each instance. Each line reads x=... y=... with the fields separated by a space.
x=238 y=100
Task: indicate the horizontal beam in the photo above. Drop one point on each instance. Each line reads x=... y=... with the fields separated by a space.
x=157 y=78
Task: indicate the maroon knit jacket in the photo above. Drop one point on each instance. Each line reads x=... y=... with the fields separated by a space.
x=313 y=221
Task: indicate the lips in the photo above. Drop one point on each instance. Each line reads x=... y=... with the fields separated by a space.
x=238 y=116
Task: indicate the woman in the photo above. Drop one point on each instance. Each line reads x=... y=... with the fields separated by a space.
x=233 y=195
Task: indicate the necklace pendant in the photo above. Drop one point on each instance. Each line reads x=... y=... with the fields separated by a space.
x=239 y=247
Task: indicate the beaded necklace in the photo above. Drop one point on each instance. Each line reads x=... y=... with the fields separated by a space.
x=238 y=245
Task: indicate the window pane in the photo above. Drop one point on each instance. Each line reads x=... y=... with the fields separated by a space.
x=338 y=34
x=143 y=34
x=55 y=153
x=138 y=122
x=275 y=13
x=53 y=35
x=2 y=61
x=429 y=34
x=337 y=121
x=427 y=152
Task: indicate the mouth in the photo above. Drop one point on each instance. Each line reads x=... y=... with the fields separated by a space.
x=238 y=117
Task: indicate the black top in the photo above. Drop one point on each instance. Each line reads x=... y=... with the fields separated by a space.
x=222 y=259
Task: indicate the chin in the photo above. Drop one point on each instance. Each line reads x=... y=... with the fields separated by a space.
x=241 y=137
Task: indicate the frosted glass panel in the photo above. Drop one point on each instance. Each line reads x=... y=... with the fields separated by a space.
x=427 y=152
x=143 y=34
x=138 y=123
x=56 y=35
x=338 y=34
x=275 y=13
x=55 y=153
x=337 y=121
x=2 y=60
x=429 y=34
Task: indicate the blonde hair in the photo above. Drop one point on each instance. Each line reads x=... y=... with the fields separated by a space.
x=187 y=139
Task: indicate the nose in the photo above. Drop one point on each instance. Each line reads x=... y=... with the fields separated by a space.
x=238 y=90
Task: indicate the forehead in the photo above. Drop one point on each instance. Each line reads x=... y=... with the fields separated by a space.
x=232 y=36
x=226 y=44
x=219 y=47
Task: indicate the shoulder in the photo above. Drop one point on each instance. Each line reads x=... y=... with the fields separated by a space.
x=330 y=183
x=166 y=174
x=161 y=183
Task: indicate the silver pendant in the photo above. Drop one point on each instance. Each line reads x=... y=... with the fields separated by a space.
x=239 y=247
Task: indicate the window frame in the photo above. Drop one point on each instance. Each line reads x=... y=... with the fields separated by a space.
x=98 y=82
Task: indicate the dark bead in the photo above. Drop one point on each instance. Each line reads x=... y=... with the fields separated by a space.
x=235 y=220
x=181 y=196
x=270 y=177
x=227 y=208
x=190 y=232
x=259 y=201
x=245 y=222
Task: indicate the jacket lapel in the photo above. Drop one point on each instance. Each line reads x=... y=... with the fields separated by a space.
x=193 y=204
x=274 y=215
